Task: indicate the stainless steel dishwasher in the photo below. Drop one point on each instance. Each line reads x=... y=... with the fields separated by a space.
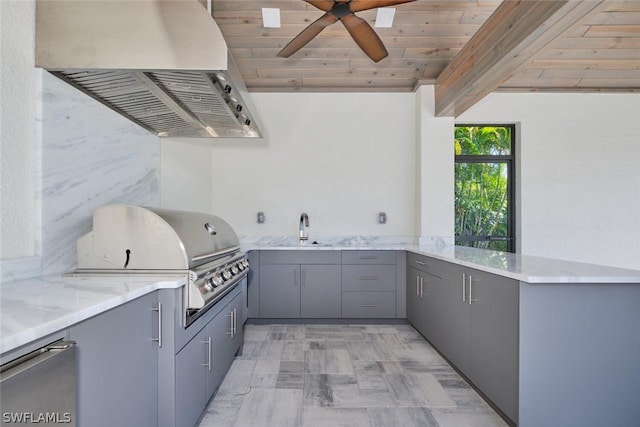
x=39 y=388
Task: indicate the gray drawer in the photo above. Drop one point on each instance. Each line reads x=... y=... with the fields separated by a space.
x=303 y=256
x=368 y=305
x=426 y=264
x=368 y=257
x=369 y=278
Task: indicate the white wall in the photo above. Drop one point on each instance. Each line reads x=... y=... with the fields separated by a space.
x=579 y=161
x=435 y=180
x=340 y=157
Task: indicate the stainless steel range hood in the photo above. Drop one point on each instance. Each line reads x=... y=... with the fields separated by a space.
x=162 y=64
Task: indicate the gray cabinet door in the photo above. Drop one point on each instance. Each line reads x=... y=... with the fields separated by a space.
x=455 y=318
x=415 y=313
x=422 y=303
x=191 y=380
x=225 y=332
x=118 y=366
x=494 y=339
x=320 y=290
x=430 y=306
x=279 y=291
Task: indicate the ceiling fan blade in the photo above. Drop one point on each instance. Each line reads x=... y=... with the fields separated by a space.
x=307 y=34
x=358 y=5
x=365 y=37
x=325 y=5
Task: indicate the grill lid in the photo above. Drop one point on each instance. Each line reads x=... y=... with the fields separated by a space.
x=128 y=237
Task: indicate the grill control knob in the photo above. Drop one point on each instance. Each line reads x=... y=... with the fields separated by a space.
x=235 y=270
x=217 y=280
x=227 y=274
x=240 y=266
x=207 y=286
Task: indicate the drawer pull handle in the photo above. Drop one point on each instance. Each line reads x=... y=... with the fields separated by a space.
x=368 y=257
x=159 y=339
x=421 y=263
x=368 y=277
x=464 y=284
x=368 y=305
x=208 y=343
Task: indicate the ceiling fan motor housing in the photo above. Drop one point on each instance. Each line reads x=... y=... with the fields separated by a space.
x=340 y=10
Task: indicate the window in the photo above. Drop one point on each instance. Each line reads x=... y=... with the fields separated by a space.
x=484 y=190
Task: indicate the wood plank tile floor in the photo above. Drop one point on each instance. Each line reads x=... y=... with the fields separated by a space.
x=343 y=375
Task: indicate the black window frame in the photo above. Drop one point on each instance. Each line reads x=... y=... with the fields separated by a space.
x=510 y=160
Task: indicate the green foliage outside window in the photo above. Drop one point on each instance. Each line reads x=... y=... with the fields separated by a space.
x=481 y=186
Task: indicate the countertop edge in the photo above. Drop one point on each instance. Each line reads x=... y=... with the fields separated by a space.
x=33 y=333
x=469 y=257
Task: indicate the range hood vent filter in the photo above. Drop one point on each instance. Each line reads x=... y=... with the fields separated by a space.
x=168 y=103
x=173 y=75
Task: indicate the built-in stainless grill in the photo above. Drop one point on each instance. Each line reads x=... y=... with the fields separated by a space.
x=135 y=239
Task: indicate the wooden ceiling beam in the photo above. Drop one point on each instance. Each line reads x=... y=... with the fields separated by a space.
x=514 y=34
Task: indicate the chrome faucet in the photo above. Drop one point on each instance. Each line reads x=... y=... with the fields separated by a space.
x=304 y=221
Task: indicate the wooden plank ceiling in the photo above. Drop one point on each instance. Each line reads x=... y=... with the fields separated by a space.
x=467 y=48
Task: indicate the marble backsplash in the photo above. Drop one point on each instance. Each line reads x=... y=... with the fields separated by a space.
x=89 y=157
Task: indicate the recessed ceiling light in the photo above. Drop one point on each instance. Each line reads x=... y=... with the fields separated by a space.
x=384 y=18
x=271 y=17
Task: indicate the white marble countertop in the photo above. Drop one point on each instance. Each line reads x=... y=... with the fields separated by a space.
x=525 y=268
x=33 y=308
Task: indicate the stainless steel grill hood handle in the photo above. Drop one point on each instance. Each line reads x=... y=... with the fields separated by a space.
x=163 y=64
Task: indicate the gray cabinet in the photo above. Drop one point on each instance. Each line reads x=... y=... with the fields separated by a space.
x=224 y=335
x=295 y=284
x=471 y=317
x=415 y=301
x=326 y=284
x=320 y=291
x=191 y=381
x=423 y=305
x=200 y=366
x=279 y=291
x=455 y=318
x=493 y=365
x=368 y=284
x=117 y=362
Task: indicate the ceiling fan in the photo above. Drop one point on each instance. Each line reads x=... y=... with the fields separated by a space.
x=344 y=11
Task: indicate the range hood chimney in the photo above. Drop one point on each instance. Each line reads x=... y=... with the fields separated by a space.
x=162 y=64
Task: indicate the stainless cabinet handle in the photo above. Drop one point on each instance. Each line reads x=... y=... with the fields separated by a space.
x=421 y=286
x=368 y=305
x=295 y=278
x=464 y=284
x=235 y=322
x=417 y=286
x=470 y=281
x=421 y=263
x=368 y=277
x=230 y=316
x=208 y=343
x=159 y=339
x=368 y=257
